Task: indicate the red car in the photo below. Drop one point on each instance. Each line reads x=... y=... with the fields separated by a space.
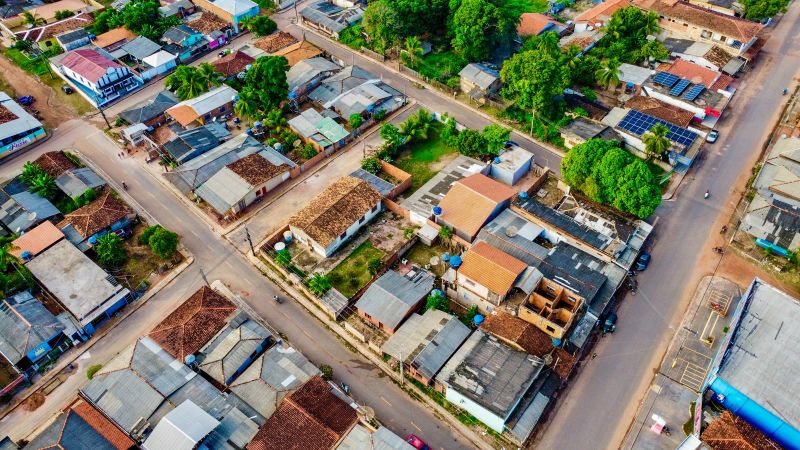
x=417 y=443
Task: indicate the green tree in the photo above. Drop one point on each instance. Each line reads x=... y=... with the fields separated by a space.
x=379 y=115
x=163 y=243
x=308 y=152
x=759 y=10
x=471 y=142
x=110 y=251
x=144 y=238
x=246 y=106
x=479 y=27
x=638 y=192
x=654 y=50
x=374 y=265
x=416 y=126
x=31 y=20
x=63 y=14
x=608 y=75
x=656 y=142
x=371 y=165
x=391 y=136
x=449 y=132
x=260 y=25
x=437 y=301
x=496 y=137
x=327 y=371
x=445 y=233
x=283 y=258
x=383 y=24
x=267 y=78
x=413 y=50
x=632 y=23
x=355 y=121
x=583 y=71
x=319 y=284
x=30 y=171
x=533 y=79
x=189 y=81
x=44 y=186
x=578 y=164
x=275 y=119
x=209 y=74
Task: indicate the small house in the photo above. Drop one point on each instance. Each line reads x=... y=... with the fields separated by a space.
x=104 y=214
x=299 y=51
x=75 y=182
x=598 y=16
x=18 y=128
x=113 y=39
x=151 y=112
x=204 y=108
x=535 y=24
x=231 y=11
x=30 y=335
x=73 y=39
x=214 y=29
x=323 y=132
x=393 y=297
x=44 y=36
x=81 y=425
x=231 y=352
x=191 y=143
x=479 y=81
x=511 y=165
x=582 y=129
x=185 y=41
x=307 y=74
x=233 y=64
x=472 y=202
x=487 y=276
x=330 y=18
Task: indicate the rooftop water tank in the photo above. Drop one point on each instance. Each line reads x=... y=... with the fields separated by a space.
x=190 y=359
x=497 y=160
x=26 y=255
x=280 y=246
x=477 y=320
x=446 y=257
x=438 y=292
x=287 y=236
x=92 y=240
x=455 y=262
x=523 y=195
x=437 y=210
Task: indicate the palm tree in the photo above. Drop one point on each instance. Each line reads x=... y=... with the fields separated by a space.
x=655 y=141
x=413 y=50
x=29 y=172
x=416 y=127
x=247 y=104
x=275 y=120
x=30 y=19
x=193 y=84
x=209 y=73
x=608 y=75
x=651 y=23
x=44 y=186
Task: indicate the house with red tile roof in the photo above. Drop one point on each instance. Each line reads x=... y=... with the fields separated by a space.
x=472 y=202
x=104 y=213
x=534 y=24
x=96 y=75
x=233 y=63
x=598 y=16
x=80 y=425
x=45 y=36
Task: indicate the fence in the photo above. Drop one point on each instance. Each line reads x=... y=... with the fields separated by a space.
x=435 y=83
x=401 y=175
x=373 y=55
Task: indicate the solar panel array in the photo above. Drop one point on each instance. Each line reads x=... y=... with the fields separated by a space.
x=639 y=123
x=694 y=92
x=680 y=87
x=666 y=79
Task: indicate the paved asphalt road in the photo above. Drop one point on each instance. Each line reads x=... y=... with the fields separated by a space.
x=220 y=260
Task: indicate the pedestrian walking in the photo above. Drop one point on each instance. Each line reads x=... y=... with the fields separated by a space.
x=594 y=355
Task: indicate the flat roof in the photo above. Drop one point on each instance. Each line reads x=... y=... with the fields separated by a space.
x=761 y=360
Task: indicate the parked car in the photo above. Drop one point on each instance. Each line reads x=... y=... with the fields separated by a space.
x=67 y=89
x=417 y=443
x=712 y=136
x=27 y=100
x=643 y=261
x=611 y=323
x=123 y=233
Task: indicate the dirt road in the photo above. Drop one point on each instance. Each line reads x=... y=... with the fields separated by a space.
x=53 y=111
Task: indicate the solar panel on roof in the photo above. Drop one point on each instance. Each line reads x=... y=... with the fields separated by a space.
x=639 y=123
x=666 y=79
x=694 y=92
x=680 y=87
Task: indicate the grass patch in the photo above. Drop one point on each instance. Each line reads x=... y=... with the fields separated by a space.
x=418 y=159
x=688 y=426
x=442 y=67
x=526 y=6
x=353 y=272
x=421 y=254
x=17 y=57
x=93 y=369
x=78 y=103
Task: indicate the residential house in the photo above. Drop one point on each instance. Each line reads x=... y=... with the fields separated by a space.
x=361 y=438
x=310 y=417
x=79 y=426
x=632 y=76
x=489 y=379
x=701 y=24
x=708 y=55
x=104 y=214
x=246 y=181
x=511 y=165
x=336 y=214
x=393 y=297
x=275 y=42
x=95 y=75
x=180 y=8
x=113 y=39
x=598 y=15
x=304 y=76
x=75 y=182
x=151 y=112
x=727 y=7
x=660 y=110
x=583 y=129
x=353 y=90
x=21 y=210
x=36 y=241
x=233 y=64
x=487 y=277
x=479 y=81
x=136 y=50
x=425 y=342
x=214 y=28
x=632 y=125
x=299 y=51
x=73 y=39
x=193 y=323
x=30 y=335
x=728 y=431
x=47 y=11
x=54 y=163
x=329 y=18
x=231 y=11
x=44 y=36
x=551 y=308
x=184 y=41
x=18 y=128
x=272 y=376
x=231 y=352
x=191 y=143
x=534 y=24
x=157 y=64
x=774 y=213
x=323 y=132
x=582 y=40
x=79 y=285
x=517 y=333
x=472 y=202
x=183 y=428
x=204 y=108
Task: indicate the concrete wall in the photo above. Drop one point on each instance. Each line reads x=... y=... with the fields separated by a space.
x=489 y=419
x=401 y=175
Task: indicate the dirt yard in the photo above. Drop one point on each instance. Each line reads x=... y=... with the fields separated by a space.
x=54 y=112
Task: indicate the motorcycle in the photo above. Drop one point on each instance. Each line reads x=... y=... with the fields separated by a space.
x=706 y=195
x=277 y=299
x=124 y=186
x=719 y=250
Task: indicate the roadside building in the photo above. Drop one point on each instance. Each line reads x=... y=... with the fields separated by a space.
x=136 y=50
x=518 y=333
x=204 y=108
x=353 y=90
x=272 y=376
x=75 y=182
x=582 y=129
x=310 y=417
x=511 y=165
x=730 y=432
x=329 y=18
x=184 y=41
x=30 y=335
x=299 y=51
x=215 y=30
x=552 y=307
x=54 y=163
x=306 y=75
x=471 y=203
x=393 y=297
x=479 y=81
x=84 y=225
x=80 y=426
x=231 y=352
x=693 y=88
x=22 y=210
x=45 y=36
x=113 y=39
x=36 y=241
x=275 y=42
x=598 y=15
x=73 y=39
x=183 y=428
x=233 y=64
x=95 y=75
x=191 y=143
x=486 y=277
x=156 y=64
x=361 y=438
x=708 y=55
x=18 y=129
x=231 y=11
x=534 y=24
x=660 y=110
x=320 y=130
x=425 y=342
x=151 y=112
x=330 y=219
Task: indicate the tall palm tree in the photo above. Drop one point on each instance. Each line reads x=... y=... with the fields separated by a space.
x=29 y=172
x=44 y=186
x=192 y=85
x=608 y=75
x=416 y=127
x=209 y=73
x=247 y=105
x=30 y=19
x=413 y=50
x=656 y=142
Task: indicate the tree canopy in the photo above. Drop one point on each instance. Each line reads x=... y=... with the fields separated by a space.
x=383 y=25
x=763 y=9
x=139 y=16
x=267 y=79
x=611 y=175
x=534 y=77
x=479 y=27
x=260 y=25
x=190 y=81
x=110 y=251
x=626 y=34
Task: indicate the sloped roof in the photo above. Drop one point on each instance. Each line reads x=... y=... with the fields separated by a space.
x=50 y=30
x=54 y=163
x=695 y=73
x=390 y=298
x=739 y=29
x=150 y=109
x=88 y=63
x=206 y=22
x=729 y=432
x=275 y=41
x=491 y=267
x=24 y=324
x=661 y=110
x=231 y=349
x=140 y=48
x=37 y=240
x=181 y=429
x=81 y=426
x=96 y=216
x=532 y=24
x=479 y=74
x=190 y=110
x=113 y=36
x=334 y=210
x=255 y=169
x=232 y=63
x=299 y=51
x=472 y=200
x=601 y=12
x=193 y=323
x=519 y=332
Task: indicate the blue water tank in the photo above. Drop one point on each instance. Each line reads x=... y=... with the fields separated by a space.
x=437 y=210
x=556 y=342
x=497 y=160
x=446 y=257
x=477 y=320
x=455 y=262
x=523 y=195
x=257 y=124
x=248 y=131
x=26 y=255
x=92 y=240
x=438 y=292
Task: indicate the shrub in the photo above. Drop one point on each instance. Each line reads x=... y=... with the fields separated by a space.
x=371 y=165
x=144 y=239
x=379 y=114
x=437 y=301
x=93 y=369
x=308 y=152
x=374 y=265
x=110 y=251
x=163 y=243
x=327 y=371
x=283 y=258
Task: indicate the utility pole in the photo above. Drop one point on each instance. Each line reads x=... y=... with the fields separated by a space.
x=402 y=378
x=203 y=275
x=249 y=240
x=103 y=113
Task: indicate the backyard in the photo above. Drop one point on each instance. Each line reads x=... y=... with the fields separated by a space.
x=354 y=272
x=442 y=66
x=424 y=159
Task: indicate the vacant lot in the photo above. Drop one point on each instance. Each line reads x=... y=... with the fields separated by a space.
x=424 y=159
x=353 y=272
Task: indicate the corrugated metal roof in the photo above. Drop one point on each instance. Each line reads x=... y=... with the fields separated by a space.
x=24 y=324
x=75 y=182
x=392 y=296
x=231 y=350
x=181 y=429
x=308 y=69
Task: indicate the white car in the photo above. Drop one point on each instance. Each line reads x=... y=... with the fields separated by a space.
x=712 y=136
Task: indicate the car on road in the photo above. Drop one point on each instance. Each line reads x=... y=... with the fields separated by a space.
x=27 y=100
x=417 y=443
x=643 y=261
x=67 y=90
x=510 y=144
x=712 y=136
x=610 y=324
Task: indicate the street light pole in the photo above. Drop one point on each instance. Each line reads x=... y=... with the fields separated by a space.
x=249 y=240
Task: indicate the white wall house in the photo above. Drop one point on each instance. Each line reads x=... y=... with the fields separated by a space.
x=95 y=76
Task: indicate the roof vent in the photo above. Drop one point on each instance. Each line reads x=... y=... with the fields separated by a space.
x=511 y=231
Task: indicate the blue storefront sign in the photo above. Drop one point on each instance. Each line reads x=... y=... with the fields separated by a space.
x=39 y=351
x=20 y=143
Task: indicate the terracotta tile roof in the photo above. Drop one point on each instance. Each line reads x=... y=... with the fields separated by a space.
x=295 y=53
x=88 y=63
x=729 y=432
x=531 y=24
x=517 y=331
x=275 y=41
x=183 y=114
x=661 y=110
x=6 y=115
x=491 y=267
x=54 y=163
x=563 y=363
x=207 y=23
x=115 y=436
x=310 y=418
x=718 y=56
x=338 y=207
x=471 y=201
x=193 y=323
x=114 y=36
x=695 y=73
x=96 y=216
x=753 y=50
x=602 y=12
x=255 y=169
x=54 y=29
x=36 y=240
x=732 y=27
x=232 y=63
x=722 y=82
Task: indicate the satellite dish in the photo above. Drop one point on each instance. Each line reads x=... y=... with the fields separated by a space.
x=434 y=260
x=32 y=216
x=511 y=231
x=548 y=359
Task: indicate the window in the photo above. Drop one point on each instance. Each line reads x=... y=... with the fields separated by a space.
x=344 y=235
x=375 y=208
x=551 y=329
x=362 y=219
